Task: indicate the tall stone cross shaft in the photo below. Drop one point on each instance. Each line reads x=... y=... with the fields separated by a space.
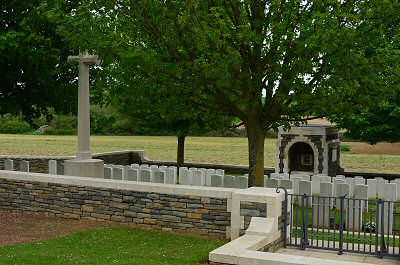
x=85 y=60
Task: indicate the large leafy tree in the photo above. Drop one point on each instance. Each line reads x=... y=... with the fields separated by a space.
x=154 y=108
x=34 y=72
x=268 y=63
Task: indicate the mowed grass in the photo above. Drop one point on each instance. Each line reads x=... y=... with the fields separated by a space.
x=115 y=245
x=215 y=150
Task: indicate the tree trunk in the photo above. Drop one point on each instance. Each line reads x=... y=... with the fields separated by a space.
x=181 y=151
x=256 y=138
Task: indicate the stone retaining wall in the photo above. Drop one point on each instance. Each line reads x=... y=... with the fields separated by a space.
x=200 y=215
x=185 y=211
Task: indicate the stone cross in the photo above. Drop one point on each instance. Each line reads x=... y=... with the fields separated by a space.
x=85 y=60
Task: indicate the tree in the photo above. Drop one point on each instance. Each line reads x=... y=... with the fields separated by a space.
x=307 y=58
x=34 y=72
x=156 y=109
x=378 y=122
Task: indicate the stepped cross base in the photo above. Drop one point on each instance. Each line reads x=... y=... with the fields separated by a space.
x=93 y=168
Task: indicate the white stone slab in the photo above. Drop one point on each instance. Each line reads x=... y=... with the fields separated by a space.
x=117 y=173
x=24 y=166
x=358 y=180
x=217 y=180
x=372 y=188
x=357 y=207
x=287 y=184
x=296 y=181
x=305 y=188
x=381 y=187
x=185 y=176
x=315 y=184
x=171 y=177
x=229 y=181
x=108 y=172
x=131 y=174
x=220 y=172
x=198 y=178
x=53 y=167
x=272 y=183
x=9 y=165
x=242 y=182
x=209 y=173
x=322 y=205
x=159 y=176
x=145 y=175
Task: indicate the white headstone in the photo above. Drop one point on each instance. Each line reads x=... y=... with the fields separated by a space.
x=296 y=181
x=170 y=177
x=181 y=169
x=53 y=167
x=315 y=184
x=108 y=172
x=381 y=187
x=198 y=178
x=185 y=176
x=229 y=181
x=217 y=180
x=209 y=172
x=305 y=188
x=350 y=181
x=372 y=188
x=132 y=174
x=117 y=172
x=335 y=182
x=287 y=184
x=9 y=165
x=159 y=176
x=326 y=179
x=220 y=172
x=242 y=182
x=358 y=180
x=389 y=197
x=322 y=205
x=342 y=189
x=357 y=207
x=272 y=183
x=24 y=166
x=145 y=175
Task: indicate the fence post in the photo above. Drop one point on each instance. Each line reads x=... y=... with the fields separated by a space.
x=304 y=223
x=341 y=225
x=382 y=246
x=285 y=218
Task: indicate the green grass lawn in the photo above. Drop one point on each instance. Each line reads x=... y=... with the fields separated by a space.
x=115 y=245
x=217 y=150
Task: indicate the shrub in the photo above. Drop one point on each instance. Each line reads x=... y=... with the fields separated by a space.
x=62 y=125
x=11 y=124
x=345 y=148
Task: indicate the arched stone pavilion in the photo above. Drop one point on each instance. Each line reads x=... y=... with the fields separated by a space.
x=311 y=149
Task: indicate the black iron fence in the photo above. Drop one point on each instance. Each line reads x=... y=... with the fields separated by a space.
x=344 y=224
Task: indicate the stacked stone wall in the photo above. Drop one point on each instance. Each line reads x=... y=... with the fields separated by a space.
x=183 y=213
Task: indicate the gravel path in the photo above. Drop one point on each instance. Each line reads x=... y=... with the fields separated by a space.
x=18 y=227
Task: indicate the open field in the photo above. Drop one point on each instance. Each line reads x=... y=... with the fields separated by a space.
x=383 y=158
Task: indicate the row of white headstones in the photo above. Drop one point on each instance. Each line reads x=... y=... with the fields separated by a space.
x=173 y=175
x=157 y=174
x=323 y=188
x=357 y=187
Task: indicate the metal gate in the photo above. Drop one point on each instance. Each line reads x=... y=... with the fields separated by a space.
x=343 y=224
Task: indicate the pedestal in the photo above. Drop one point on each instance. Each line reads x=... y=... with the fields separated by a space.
x=93 y=168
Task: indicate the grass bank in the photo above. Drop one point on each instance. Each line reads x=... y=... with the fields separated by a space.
x=115 y=245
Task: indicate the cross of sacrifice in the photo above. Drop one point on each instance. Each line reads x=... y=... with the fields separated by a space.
x=85 y=60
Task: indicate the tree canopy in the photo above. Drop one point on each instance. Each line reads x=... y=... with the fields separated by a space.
x=326 y=58
x=33 y=62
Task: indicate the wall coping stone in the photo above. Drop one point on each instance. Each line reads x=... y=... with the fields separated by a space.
x=215 y=192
